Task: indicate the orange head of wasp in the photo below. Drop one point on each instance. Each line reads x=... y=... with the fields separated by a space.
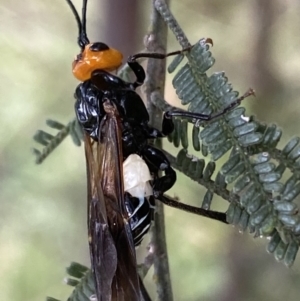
x=93 y=56
x=96 y=56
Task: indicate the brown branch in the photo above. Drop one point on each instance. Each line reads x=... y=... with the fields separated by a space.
x=156 y=41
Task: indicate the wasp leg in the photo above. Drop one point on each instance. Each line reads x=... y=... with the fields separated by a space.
x=167 y=125
x=157 y=55
x=205 y=117
x=157 y=161
x=138 y=71
x=167 y=128
x=219 y=216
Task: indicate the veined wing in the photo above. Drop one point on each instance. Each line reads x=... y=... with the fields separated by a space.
x=111 y=245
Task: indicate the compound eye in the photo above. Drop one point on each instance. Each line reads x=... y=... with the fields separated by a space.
x=98 y=46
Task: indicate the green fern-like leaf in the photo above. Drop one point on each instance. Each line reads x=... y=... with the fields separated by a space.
x=51 y=142
x=254 y=170
x=82 y=281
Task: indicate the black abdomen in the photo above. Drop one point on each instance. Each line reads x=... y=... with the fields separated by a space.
x=141 y=212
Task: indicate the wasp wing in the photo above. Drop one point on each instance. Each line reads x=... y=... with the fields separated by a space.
x=111 y=245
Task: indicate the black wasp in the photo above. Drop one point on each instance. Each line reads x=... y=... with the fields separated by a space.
x=120 y=162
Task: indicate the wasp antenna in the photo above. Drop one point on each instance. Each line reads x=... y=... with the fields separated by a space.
x=82 y=37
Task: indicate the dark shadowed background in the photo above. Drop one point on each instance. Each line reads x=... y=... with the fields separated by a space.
x=43 y=208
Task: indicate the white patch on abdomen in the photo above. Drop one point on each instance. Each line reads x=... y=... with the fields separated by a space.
x=136 y=176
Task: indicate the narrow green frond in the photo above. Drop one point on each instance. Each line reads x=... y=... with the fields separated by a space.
x=51 y=142
x=82 y=281
x=261 y=202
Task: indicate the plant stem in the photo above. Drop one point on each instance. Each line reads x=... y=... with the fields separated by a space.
x=156 y=41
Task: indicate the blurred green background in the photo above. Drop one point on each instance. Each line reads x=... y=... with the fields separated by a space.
x=43 y=208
